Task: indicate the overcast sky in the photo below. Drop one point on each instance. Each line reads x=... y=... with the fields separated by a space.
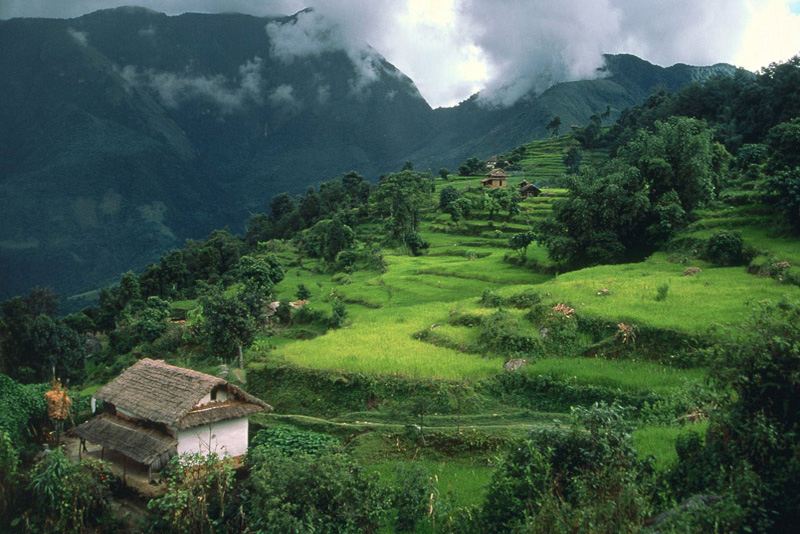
x=454 y=48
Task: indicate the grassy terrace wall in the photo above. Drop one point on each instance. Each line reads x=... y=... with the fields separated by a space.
x=546 y=388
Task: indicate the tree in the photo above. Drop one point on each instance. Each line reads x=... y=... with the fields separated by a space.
x=471 y=166
x=782 y=190
x=784 y=142
x=57 y=348
x=32 y=344
x=520 y=242
x=444 y=173
x=447 y=195
x=228 y=325
x=604 y=219
x=280 y=206
x=506 y=200
x=572 y=160
x=310 y=206
x=554 y=125
x=398 y=199
x=677 y=155
x=328 y=238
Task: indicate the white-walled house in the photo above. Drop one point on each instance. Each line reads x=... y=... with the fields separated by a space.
x=154 y=411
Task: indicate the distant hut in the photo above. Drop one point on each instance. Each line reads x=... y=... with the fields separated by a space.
x=155 y=411
x=495 y=178
x=527 y=190
x=491 y=163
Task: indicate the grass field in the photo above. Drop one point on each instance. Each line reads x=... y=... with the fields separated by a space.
x=388 y=311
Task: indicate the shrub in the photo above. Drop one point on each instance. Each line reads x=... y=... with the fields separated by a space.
x=725 y=247
x=338 y=313
x=290 y=441
x=303 y=293
x=416 y=244
x=661 y=292
x=585 y=478
x=500 y=333
x=410 y=496
x=302 y=493
x=67 y=497
x=783 y=191
x=199 y=497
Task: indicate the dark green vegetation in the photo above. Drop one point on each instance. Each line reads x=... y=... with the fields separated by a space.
x=618 y=355
x=124 y=132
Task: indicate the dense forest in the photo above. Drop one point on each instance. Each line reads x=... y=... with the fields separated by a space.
x=618 y=354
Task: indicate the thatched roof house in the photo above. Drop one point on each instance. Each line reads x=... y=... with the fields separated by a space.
x=155 y=410
x=495 y=178
x=527 y=190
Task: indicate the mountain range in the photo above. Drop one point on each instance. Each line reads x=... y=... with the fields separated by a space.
x=124 y=132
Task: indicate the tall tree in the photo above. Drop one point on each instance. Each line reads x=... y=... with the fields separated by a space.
x=399 y=199
x=554 y=125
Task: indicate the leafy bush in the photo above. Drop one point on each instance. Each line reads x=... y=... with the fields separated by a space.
x=338 y=313
x=500 y=333
x=661 y=292
x=290 y=441
x=199 y=496
x=330 y=493
x=783 y=191
x=67 y=497
x=751 y=457
x=410 y=496
x=585 y=478
x=308 y=315
x=303 y=293
x=20 y=406
x=9 y=463
x=725 y=247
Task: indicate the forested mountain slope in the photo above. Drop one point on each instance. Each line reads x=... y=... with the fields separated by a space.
x=124 y=132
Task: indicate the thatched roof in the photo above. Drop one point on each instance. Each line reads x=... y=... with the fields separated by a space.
x=145 y=445
x=529 y=188
x=211 y=414
x=163 y=393
x=497 y=173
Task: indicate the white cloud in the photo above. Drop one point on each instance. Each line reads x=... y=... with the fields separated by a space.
x=173 y=89
x=81 y=37
x=282 y=97
x=452 y=48
x=312 y=33
x=773 y=33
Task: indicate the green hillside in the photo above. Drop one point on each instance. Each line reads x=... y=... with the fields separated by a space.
x=617 y=352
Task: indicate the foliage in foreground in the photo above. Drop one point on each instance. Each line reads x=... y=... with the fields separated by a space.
x=751 y=456
x=67 y=497
x=584 y=478
x=328 y=493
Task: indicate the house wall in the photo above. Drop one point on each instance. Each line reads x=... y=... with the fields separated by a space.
x=223 y=436
x=222 y=396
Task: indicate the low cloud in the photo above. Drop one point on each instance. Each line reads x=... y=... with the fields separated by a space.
x=504 y=48
x=173 y=89
x=81 y=37
x=312 y=33
x=282 y=97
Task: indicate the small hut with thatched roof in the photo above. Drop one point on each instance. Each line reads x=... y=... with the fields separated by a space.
x=495 y=178
x=154 y=411
x=527 y=190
